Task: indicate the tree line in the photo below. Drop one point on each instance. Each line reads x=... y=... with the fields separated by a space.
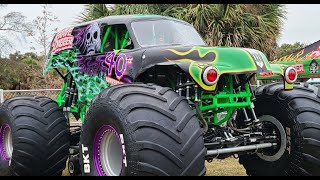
x=241 y=25
x=24 y=71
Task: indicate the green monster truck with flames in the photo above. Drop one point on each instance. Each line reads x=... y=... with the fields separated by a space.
x=153 y=99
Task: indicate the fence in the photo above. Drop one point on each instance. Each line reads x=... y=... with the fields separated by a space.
x=52 y=93
x=7 y=94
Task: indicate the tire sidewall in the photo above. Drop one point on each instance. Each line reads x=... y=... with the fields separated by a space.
x=96 y=118
x=5 y=118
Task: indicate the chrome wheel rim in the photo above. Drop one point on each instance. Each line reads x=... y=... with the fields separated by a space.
x=111 y=154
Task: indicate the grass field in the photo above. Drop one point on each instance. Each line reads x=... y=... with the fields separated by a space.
x=226 y=167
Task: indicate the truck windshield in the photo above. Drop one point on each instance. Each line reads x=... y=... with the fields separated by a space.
x=165 y=32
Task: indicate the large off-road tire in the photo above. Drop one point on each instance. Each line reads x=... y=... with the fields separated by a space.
x=139 y=129
x=40 y=137
x=298 y=111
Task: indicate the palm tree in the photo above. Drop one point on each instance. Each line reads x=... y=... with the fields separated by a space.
x=255 y=26
x=267 y=24
x=94 y=11
x=251 y=25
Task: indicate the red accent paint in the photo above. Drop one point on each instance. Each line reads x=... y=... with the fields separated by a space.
x=299 y=68
x=63 y=40
x=113 y=81
x=266 y=74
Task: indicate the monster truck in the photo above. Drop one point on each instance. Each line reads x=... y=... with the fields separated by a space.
x=153 y=99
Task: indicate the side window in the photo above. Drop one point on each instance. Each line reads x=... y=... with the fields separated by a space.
x=115 y=37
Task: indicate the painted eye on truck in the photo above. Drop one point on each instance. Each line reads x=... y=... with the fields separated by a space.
x=210 y=76
x=291 y=75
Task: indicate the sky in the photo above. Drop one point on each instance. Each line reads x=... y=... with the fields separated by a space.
x=301 y=25
x=66 y=14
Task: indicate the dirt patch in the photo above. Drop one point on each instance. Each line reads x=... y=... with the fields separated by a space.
x=226 y=167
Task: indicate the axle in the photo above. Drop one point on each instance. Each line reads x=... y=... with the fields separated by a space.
x=240 y=148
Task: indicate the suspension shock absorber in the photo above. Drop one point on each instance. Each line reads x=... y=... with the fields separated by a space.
x=188 y=88
x=180 y=84
x=178 y=81
x=75 y=95
x=197 y=100
x=72 y=93
x=66 y=106
x=248 y=121
x=196 y=93
x=256 y=121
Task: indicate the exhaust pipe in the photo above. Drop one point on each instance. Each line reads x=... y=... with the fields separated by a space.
x=240 y=148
